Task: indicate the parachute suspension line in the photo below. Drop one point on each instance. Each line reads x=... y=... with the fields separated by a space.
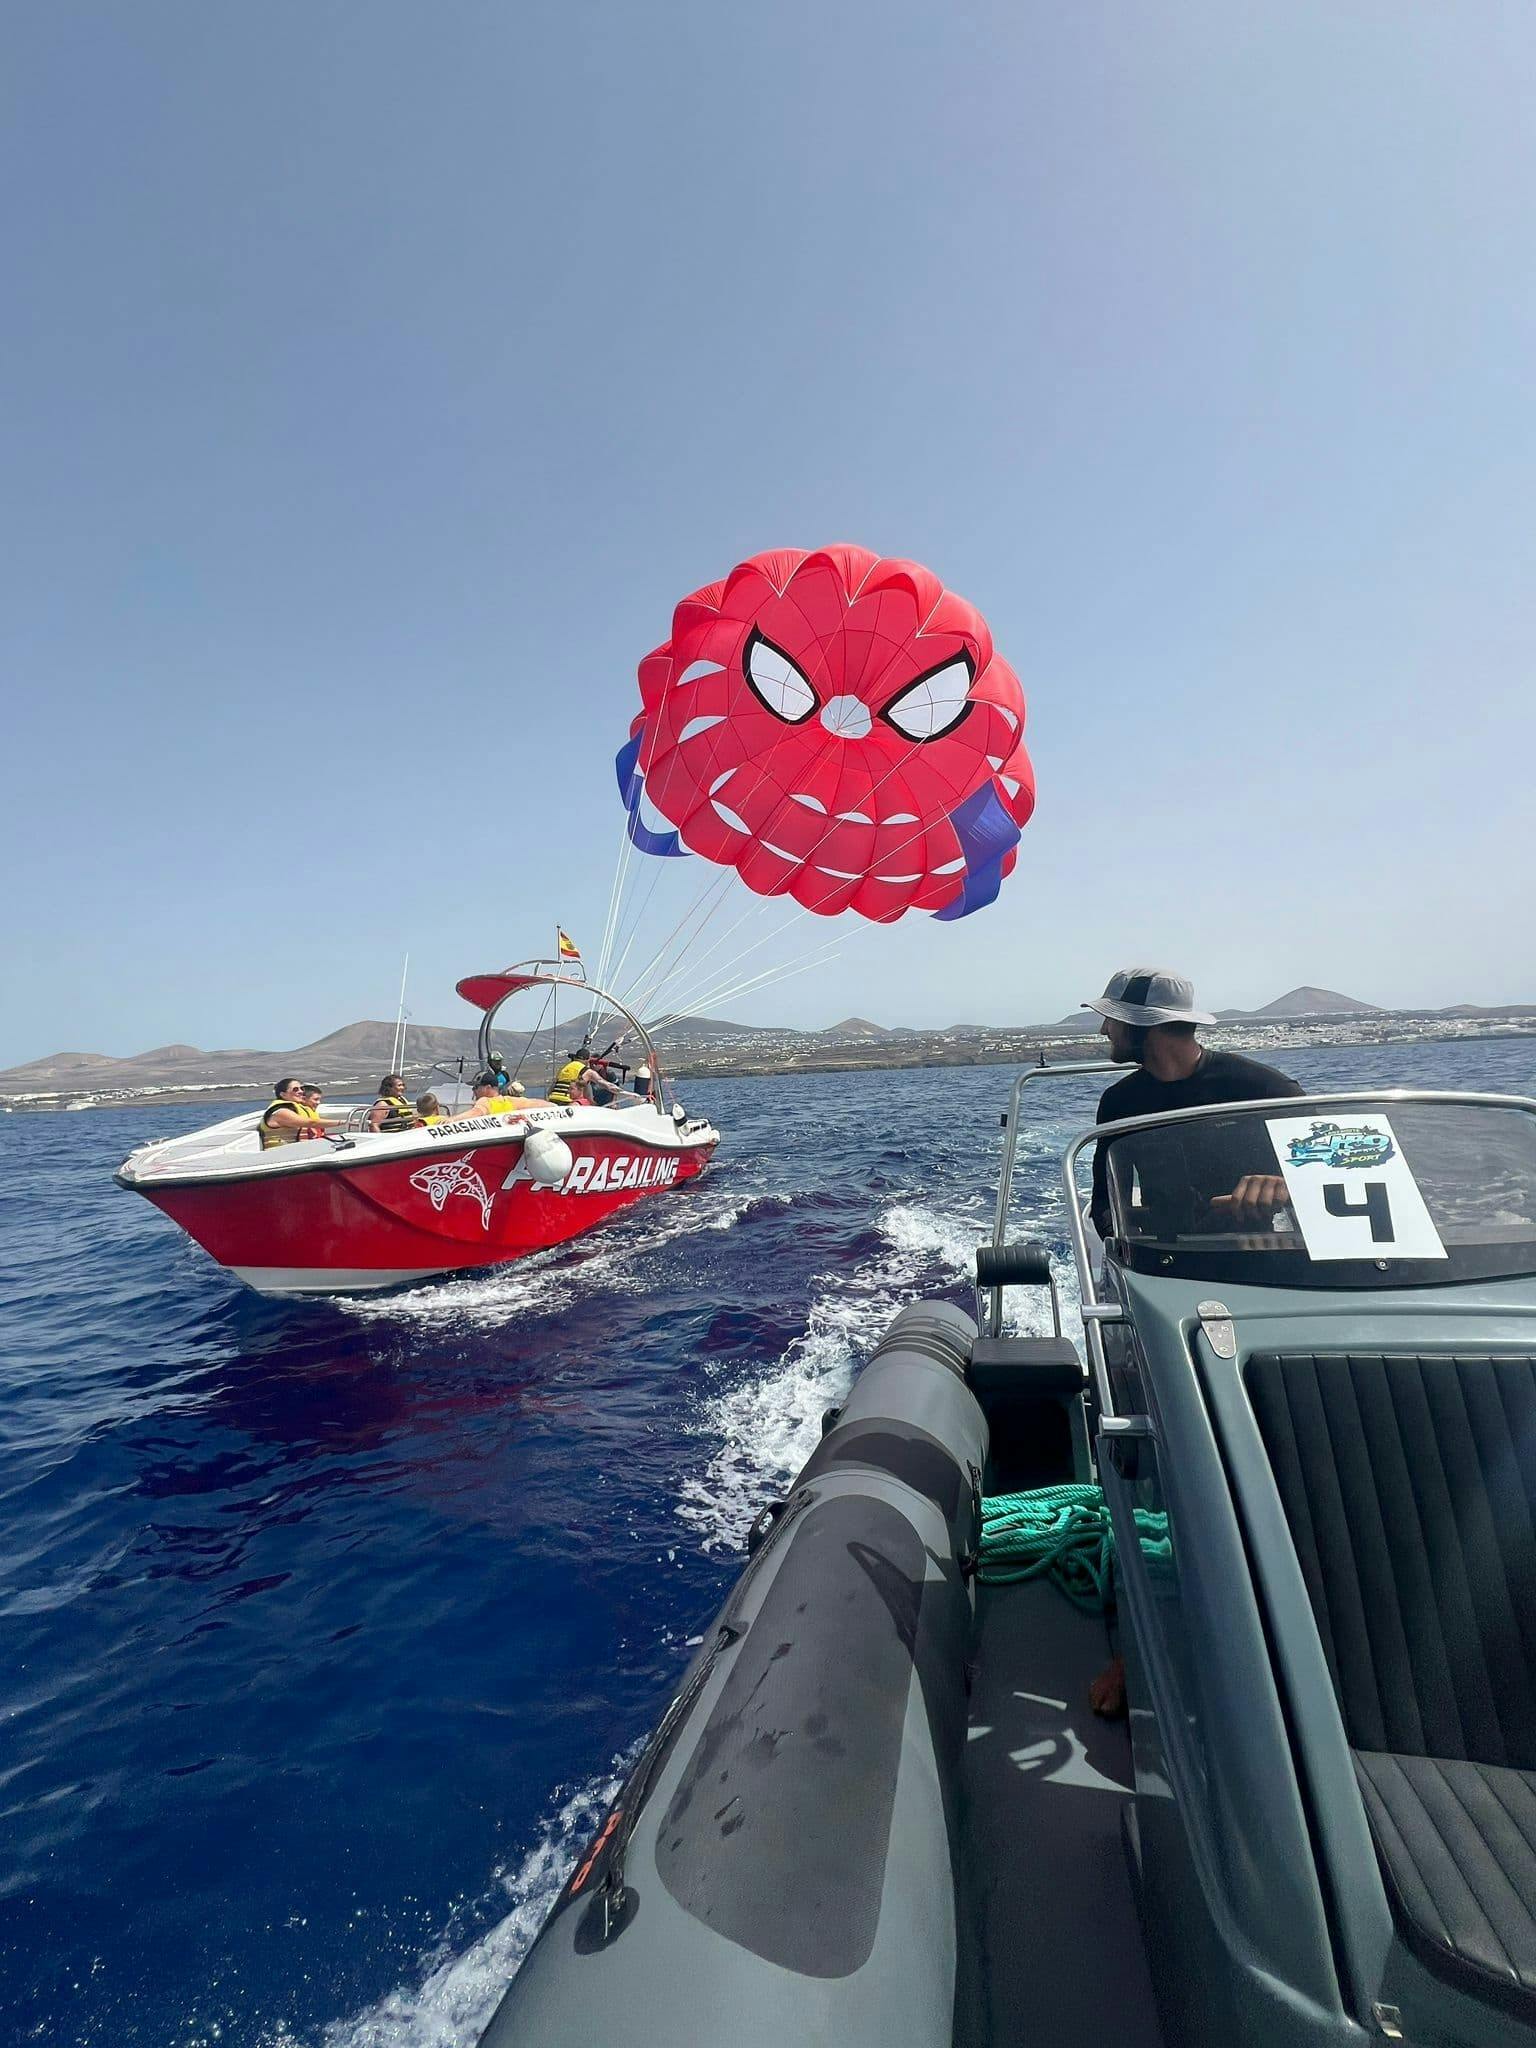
x=823 y=951
x=819 y=956
x=728 y=991
x=600 y=1011
x=688 y=967
x=621 y=871
x=643 y=1002
x=615 y=892
x=724 y=968
x=653 y=981
x=796 y=917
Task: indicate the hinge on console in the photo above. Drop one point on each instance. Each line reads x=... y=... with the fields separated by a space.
x=1216 y=1321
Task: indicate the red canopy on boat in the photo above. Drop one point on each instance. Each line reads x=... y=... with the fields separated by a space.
x=485 y=991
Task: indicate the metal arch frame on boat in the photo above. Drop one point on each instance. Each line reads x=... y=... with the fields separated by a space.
x=529 y=976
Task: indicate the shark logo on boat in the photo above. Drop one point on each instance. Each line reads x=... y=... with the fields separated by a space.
x=447 y=1177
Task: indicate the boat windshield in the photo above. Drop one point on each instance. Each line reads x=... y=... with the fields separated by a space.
x=1362 y=1194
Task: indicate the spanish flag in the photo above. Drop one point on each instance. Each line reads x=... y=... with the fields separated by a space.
x=568 y=950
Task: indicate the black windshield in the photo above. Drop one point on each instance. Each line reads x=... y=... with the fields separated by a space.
x=1373 y=1194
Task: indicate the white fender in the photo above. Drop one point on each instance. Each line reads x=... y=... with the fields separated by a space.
x=547 y=1158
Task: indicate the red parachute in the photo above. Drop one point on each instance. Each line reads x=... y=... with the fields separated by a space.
x=836 y=727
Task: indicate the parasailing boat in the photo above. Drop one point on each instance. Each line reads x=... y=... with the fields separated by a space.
x=362 y=1209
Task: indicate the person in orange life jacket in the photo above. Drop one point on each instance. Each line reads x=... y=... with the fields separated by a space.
x=391 y=1111
x=288 y=1116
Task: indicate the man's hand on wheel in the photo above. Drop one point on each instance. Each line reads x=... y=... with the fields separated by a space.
x=1253 y=1202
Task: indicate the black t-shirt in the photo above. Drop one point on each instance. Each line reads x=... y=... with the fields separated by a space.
x=1184 y=1185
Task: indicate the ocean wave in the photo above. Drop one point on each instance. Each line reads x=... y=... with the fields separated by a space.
x=452 y=1993
x=766 y=1424
x=620 y=1258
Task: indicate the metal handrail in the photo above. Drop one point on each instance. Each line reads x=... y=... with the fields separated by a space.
x=1097 y=1312
x=1063 y=1070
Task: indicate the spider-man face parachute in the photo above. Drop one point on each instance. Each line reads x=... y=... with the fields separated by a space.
x=837 y=728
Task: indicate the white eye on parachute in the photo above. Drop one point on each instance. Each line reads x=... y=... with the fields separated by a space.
x=776 y=682
x=935 y=703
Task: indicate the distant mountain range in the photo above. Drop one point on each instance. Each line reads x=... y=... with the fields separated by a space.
x=359 y=1053
x=1305 y=1001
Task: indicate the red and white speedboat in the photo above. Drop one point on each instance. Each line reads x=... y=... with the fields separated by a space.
x=364 y=1209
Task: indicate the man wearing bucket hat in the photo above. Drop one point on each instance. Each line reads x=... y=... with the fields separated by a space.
x=1150 y=1017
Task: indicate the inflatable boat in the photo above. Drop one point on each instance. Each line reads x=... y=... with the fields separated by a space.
x=363 y=1209
x=879 y=1808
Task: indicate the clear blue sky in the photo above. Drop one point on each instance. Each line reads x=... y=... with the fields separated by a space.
x=376 y=377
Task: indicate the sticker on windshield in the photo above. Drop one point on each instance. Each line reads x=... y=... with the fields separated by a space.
x=1352 y=1191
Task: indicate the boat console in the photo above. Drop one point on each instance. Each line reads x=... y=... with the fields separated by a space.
x=879 y=1806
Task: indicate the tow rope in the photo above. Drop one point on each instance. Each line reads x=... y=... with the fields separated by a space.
x=1064 y=1533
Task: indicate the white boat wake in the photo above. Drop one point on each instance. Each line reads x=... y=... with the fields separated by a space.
x=453 y=1996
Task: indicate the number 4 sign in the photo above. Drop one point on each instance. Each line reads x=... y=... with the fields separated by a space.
x=1352 y=1192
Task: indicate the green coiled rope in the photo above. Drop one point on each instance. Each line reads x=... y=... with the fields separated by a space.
x=1063 y=1533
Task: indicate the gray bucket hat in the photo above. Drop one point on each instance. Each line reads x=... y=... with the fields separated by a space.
x=1149 y=995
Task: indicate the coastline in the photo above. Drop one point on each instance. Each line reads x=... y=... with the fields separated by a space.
x=786 y=1060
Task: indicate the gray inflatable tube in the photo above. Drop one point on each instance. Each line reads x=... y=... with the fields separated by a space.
x=781 y=1866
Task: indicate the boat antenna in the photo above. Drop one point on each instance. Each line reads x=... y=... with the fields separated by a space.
x=397 y=1047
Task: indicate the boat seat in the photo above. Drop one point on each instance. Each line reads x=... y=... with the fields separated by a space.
x=1030 y=1389
x=1409 y=1483
x=1024 y=1365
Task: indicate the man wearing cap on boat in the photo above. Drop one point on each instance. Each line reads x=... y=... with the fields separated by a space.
x=1150 y=1017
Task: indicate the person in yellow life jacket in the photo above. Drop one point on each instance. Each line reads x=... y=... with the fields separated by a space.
x=489 y=1098
x=391 y=1112
x=288 y=1116
x=429 y=1109
x=569 y=1084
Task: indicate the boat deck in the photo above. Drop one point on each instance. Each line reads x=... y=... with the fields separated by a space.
x=1060 y=1948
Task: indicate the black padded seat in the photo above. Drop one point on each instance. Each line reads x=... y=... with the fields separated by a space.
x=1459 y=1842
x=1024 y=1365
x=1409 y=1483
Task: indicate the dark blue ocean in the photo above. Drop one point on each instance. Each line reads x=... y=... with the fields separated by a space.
x=327 y=1629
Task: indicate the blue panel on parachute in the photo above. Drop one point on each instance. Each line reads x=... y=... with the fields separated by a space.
x=987 y=835
x=666 y=845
